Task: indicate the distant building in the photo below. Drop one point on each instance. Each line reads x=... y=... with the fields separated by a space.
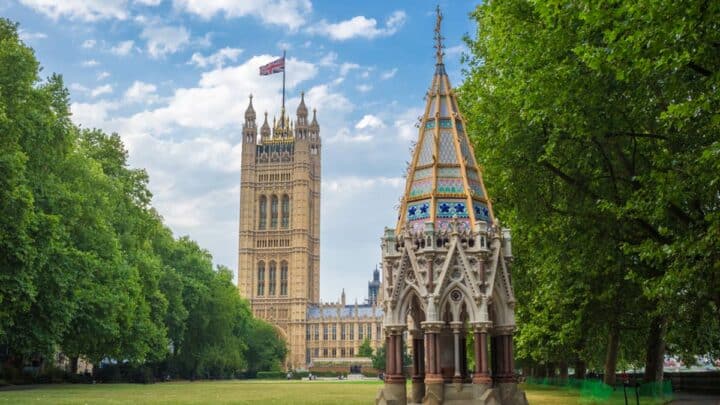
x=279 y=243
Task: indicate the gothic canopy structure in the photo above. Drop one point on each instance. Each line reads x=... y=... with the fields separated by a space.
x=446 y=269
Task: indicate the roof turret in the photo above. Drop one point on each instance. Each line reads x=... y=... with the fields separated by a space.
x=444 y=181
x=250 y=112
x=302 y=111
x=314 y=124
x=265 y=129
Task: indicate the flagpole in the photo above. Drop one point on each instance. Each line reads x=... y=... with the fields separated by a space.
x=283 y=96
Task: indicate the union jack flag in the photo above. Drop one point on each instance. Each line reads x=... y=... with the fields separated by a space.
x=275 y=66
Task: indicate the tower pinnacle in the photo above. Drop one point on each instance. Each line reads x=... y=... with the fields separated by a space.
x=438 y=37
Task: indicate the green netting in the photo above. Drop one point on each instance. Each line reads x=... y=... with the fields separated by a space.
x=594 y=391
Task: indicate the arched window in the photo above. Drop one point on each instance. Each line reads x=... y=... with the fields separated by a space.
x=262 y=212
x=283 y=277
x=271 y=279
x=274 y=212
x=285 y=211
x=261 y=279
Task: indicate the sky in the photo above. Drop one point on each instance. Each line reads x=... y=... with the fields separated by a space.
x=172 y=78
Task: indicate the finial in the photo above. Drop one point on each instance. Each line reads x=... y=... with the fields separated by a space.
x=438 y=37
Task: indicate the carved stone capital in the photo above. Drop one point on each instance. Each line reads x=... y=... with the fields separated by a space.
x=482 y=327
x=432 y=327
x=503 y=330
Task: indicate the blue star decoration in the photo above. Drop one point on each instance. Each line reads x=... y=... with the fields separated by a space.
x=412 y=211
x=424 y=209
x=459 y=208
x=445 y=208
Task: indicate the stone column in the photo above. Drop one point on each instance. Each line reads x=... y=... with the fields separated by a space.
x=457 y=365
x=504 y=354
x=418 y=377
x=394 y=388
x=481 y=375
x=434 y=384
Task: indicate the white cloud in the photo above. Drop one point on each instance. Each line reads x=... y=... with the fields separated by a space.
x=359 y=27
x=346 y=67
x=78 y=88
x=30 y=36
x=151 y=3
x=223 y=94
x=123 y=48
x=389 y=74
x=363 y=88
x=217 y=59
x=86 y=10
x=288 y=13
x=100 y=90
x=163 y=40
x=284 y=45
x=456 y=50
x=324 y=99
x=92 y=115
x=406 y=124
x=89 y=43
x=90 y=63
x=140 y=92
x=103 y=75
x=344 y=136
x=329 y=59
x=369 y=121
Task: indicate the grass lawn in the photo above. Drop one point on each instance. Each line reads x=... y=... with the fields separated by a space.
x=247 y=392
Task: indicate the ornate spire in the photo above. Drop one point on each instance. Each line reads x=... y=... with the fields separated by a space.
x=438 y=37
x=444 y=181
x=302 y=111
x=265 y=129
x=250 y=112
x=314 y=123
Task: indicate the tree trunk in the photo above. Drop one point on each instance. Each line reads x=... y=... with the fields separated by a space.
x=655 y=355
x=551 y=370
x=563 y=366
x=74 y=364
x=611 y=356
x=580 y=369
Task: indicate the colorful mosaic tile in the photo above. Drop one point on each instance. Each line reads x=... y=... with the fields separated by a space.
x=448 y=172
x=430 y=124
x=451 y=208
x=476 y=188
x=422 y=174
x=459 y=126
x=444 y=224
x=418 y=210
x=467 y=153
x=426 y=151
x=417 y=225
x=482 y=213
x=421 y=187
x=472 y=174
x=450 y=186
x=447 y=148
x=445 y=123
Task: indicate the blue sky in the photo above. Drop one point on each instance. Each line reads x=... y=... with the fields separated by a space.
x=172 y=77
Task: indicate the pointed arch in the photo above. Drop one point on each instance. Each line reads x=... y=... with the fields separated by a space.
x=262 y=212
x=285 y=208
x=466 y=298
x=284 y=278
x=272 y=277
x=273 y=211
x=261 y=278
x=410 y=297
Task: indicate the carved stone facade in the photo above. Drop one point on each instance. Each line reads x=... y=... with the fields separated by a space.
x=279 y=241
x=447 y=271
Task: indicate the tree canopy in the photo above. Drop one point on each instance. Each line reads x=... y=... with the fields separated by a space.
x=597 y=124
x=87 y=267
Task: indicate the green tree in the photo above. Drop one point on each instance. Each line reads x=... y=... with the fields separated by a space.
x=365 y=350
x=599 y=133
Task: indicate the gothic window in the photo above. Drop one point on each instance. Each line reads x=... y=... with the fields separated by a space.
x=369 y=331
x=342 y=332
x=334 y=352
x=334 y=332
x=317 y=333
x=360 y=331
x=271 y=278
x=325 y=352
x=262 y=212
x=325 y=333
x=352 y=331
x=261 y=279
x=285 y=211
x=274 y=212
x=307 y=332
x=342 y=352
x=378 y=330
x=283 y=277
